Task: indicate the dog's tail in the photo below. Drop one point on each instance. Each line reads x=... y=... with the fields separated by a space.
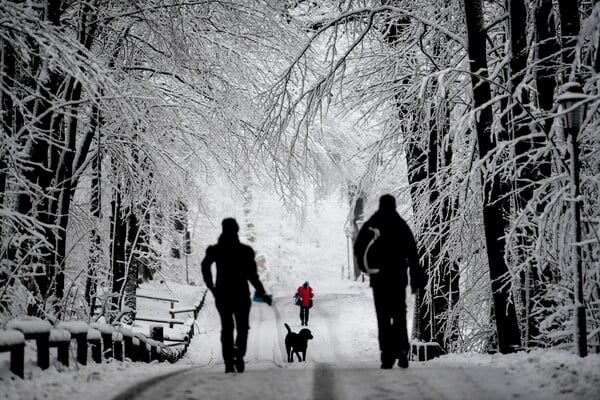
x=288 y=327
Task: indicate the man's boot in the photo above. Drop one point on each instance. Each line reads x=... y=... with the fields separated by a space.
x=403 y=359
x=238 y=360
x=229 y=367
x=387 y=360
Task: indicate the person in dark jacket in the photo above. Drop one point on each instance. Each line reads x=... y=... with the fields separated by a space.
x=305 y=293
x=385 y=247
x=235 y=268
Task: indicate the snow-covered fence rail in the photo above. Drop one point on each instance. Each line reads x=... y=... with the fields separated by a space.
x=195 y=310
x=145 y=296
x=159 y=320
x=98 y=340
x=188 y=324
x=171 y=322
x=101 y=341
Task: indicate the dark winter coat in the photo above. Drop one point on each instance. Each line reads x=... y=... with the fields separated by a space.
x=235 y=268
x=305 y=293
x=392 y=253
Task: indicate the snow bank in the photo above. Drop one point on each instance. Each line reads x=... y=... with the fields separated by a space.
x=562 y=373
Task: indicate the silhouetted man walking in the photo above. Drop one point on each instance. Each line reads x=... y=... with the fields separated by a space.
x=385 y=248
x=235 y=267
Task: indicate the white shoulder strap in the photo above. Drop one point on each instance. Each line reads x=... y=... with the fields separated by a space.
x=376 y=234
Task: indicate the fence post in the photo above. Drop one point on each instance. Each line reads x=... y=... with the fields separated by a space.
x=144 y=352
x=81 y=340
x=17 y=360
x=78 y=330
x=106 y=332
x=61 y=339
x=128 y=346
x=94 y=338
x=38 y=329
x=117 y=338
x=154 y=349
x=157 y=333
x=14 y=341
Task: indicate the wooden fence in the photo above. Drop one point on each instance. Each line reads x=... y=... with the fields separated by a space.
x=97 y=340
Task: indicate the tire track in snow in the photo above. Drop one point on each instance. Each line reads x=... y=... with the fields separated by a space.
x=136 y=391
x=324 y=326
x=324 y=383
x=280 y=342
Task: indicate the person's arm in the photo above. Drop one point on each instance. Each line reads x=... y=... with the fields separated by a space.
x=254 y=280
x=412 y=258
x=312 y=294
x=206 y=272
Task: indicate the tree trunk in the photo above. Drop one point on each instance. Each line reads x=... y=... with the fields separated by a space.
x=51 y=146
x=180 y=218
x=63 y=186
x=64 y=165
x=547 y=51
x=416 y=159
x=249 y=233
x=118 y=248
x=569 y=28
x=7 y=77
x=494 y=220
x=95 y=248
x=597 y=60
x=535 y=281
x=529 y=173
x=43 y=156
x=432 y=309
x=445 y=273
x=416 y=163
x=129 y=300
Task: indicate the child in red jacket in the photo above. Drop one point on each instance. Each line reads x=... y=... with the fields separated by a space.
x=305 y=293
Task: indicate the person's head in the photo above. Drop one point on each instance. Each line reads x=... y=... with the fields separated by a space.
x=230 y=226
x=230 y=231
x=387 y=203
x=305 y=284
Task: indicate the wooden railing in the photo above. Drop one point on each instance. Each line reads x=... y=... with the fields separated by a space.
x=101 y=341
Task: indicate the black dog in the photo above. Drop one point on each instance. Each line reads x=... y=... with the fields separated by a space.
x=297 y=343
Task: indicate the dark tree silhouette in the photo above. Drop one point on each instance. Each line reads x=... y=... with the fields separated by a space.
x=507 y=326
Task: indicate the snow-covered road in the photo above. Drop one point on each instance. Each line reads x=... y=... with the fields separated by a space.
x=332 y=381
x=342 y=362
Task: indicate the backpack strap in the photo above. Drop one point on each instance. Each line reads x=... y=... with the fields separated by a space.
x=376 y=235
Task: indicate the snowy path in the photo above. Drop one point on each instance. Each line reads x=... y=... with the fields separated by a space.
x=342 y=362
x=328 y=381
